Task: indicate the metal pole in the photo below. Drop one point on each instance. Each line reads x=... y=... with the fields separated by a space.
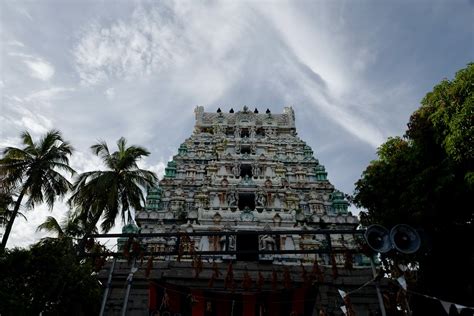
x=377 y=287
x=106 y=292
x=133 y=269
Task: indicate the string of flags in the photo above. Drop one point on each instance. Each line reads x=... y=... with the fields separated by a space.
x=347 y=307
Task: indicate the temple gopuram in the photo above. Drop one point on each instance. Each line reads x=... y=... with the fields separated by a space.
x=245 y=171
x=244 y=222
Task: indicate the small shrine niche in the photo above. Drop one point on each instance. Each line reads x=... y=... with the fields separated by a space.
x=246 y=201
x=244 y=133
x=246 y=171
x=245 y=149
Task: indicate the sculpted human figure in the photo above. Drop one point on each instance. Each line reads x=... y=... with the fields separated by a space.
x=232 y=199
x=252 y=132
x=261 y=199
x=267 y=242
x=256 y=170
x=237 y=132
x=236 y=169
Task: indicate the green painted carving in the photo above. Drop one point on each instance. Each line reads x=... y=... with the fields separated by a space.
x=127 y=229
x=130 y=229
x=321 y=174
x=153 y=199
x=182 y=150
x=339 y=203
x=170 y=170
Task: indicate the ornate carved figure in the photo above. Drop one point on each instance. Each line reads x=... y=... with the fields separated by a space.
x=261 y=198
x=237 y=132
x=236 y=169
x=232 y=199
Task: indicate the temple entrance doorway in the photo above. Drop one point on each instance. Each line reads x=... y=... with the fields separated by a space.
x=247 y=243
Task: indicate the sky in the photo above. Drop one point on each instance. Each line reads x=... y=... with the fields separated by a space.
x=353 y=71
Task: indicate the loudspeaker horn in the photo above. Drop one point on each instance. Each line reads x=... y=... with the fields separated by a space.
x=378 y=238
x=405 y=239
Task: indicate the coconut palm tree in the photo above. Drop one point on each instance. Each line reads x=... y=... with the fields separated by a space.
x=116 y=191
x=6 y=203
x=69 y=227
x=34 y=171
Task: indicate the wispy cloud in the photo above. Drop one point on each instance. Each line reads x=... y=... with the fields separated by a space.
x=144 y=43
x=22 y=118
x=46 y=95
x=110 y=93
x=40 y=69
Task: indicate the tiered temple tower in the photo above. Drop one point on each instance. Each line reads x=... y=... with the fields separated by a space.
x=241 y=171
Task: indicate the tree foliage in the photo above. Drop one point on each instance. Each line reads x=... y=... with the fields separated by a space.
x=35 y=172
x=116 y=191
x=426 y=179
x=71 y=226
x=47 y=278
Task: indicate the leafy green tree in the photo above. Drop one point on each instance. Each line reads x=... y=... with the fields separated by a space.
x=425 y=179
x=34 y=171
x=47 y=279
x=70 y=227
x=115 y=191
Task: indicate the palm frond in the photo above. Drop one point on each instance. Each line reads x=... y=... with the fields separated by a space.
x=51 y=225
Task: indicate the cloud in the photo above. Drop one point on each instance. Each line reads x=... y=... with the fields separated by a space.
x=154 y=38
x=31 y=112
x=16 y=43
x=47 y=95
x=40 y=69
x=110 y=93
x=125 y=49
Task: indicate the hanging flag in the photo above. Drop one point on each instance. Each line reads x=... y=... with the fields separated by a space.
x=197 y=266
x=247 y=280
x=349 y=309
x=344 y=309
x=249 y=303
x=317 y=273
x=335 y=272
x=298 y=304
x=210 y=284
x=198 y=307
x=348 y=260
x=215 y=268
x=446 y=306
x=149 y=266
x=172 y=299
x=342 y=293
x=459 y=308
x=152 y=294
x=261 y=281
x=403 y=283
x=229 y=278
x=274 y=280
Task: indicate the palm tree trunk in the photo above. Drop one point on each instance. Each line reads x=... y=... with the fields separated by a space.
x=11 y=220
